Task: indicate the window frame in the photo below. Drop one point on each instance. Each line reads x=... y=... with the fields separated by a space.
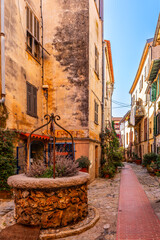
x=96 y=61
x=31 y=100
x=32 y=34
x=96 y=106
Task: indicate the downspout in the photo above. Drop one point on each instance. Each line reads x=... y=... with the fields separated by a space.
x=2 y=100
x=42 y=43
x=103 y=84
x=148 y=126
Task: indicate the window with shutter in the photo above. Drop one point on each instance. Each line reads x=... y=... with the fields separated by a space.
x=31 y=100
x=96 y=61
x=145 y=129
x=158 y=123
x=155 y=125
x=145 y=73
x=158 y=86
x=153 y=91
x=95 y=112
x=33 y=44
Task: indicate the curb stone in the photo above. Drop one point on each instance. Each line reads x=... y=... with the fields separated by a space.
x=72 y=232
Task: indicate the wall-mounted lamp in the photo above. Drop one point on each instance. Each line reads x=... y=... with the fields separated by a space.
x=45 y=89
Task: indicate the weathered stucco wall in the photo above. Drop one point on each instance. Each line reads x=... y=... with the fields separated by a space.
x=66 y=71
x=95 y=87
x=95 y=83
x=20 y=67
x=72 y=28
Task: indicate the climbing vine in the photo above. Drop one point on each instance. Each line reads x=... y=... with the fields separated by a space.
x=111 y=156
x=7 y=159
x=3 y=115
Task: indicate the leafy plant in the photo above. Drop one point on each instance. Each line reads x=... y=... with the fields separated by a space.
x=148 y=158
x=7 y=159
x=158 y=162
x=83 y=162
x=134 y=156
x=36 y=169
x=111 y=154
x=108 y=169
x=65 y=167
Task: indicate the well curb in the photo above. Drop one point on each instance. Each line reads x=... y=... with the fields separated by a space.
x=72 y=232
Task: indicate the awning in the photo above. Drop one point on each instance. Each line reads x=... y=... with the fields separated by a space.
x=155 y=66
x=36 y=136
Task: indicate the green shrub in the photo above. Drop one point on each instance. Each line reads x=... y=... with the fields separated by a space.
x=148 y=158
x=108 y=169
x=7 y=159
x=83 y=162
x=158 y=162
x=117 y=159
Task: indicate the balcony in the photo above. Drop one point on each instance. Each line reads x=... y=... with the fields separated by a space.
x=137 y=113
x=140 y=112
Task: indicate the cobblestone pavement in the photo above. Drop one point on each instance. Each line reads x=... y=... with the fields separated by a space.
x=103 y=194
x=151 y=186
x=6 y=213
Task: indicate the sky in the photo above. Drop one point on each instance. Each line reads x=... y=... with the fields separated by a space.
x=128 y=24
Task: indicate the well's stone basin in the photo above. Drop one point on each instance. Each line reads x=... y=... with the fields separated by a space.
x=50 y=202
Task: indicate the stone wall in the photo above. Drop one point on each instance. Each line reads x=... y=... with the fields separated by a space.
x=49 y=208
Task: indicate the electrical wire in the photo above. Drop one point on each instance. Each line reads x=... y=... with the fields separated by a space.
x=123 y=107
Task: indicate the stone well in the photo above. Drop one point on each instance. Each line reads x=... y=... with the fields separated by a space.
x=50 y=202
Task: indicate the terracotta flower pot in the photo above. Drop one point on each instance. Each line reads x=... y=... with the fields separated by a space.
x=107 y=176
x=138 y=161
x=84 y=170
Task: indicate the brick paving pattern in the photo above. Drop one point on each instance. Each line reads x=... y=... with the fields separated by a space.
x=136 y=218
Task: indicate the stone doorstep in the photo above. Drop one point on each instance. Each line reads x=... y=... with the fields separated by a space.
x=72 y=232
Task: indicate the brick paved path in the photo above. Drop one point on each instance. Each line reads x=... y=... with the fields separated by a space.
x=136 y=218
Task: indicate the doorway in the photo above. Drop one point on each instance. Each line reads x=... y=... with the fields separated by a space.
x=96 y=162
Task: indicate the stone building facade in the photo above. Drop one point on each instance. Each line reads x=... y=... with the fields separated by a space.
x=145 y=97
x=53 y=64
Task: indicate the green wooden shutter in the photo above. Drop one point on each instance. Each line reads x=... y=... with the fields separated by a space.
x=155 y=125
x=158 y=86
x=153 y=91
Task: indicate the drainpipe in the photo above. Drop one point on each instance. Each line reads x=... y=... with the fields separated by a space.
x=2 y=100
x=103 y=84
x=155 y=149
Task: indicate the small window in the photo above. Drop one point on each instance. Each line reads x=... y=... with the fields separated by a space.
x=127 y=138
x=33 y=44
x=145 y=129
x=141 y=84
x=95 y=112
x=96 y=61
x=145 y=72
x=31 y=100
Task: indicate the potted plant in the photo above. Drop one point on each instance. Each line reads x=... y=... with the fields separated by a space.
x=136 y=159
x=83 y=163
x=108 y=170
x=149 y=158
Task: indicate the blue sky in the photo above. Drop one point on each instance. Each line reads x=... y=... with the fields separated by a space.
x=128 y=24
